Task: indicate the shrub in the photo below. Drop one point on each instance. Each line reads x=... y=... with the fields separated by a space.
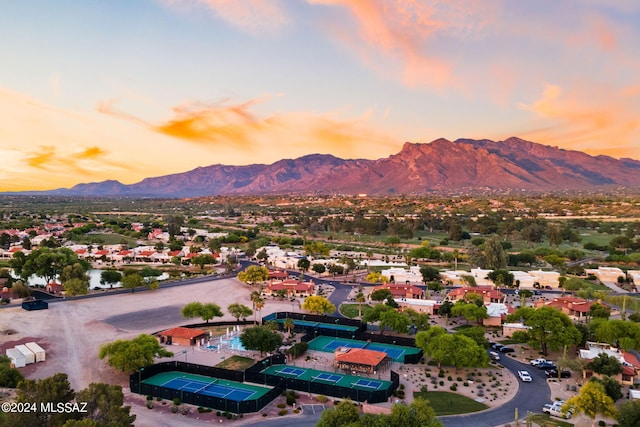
x=459 y=379
x=449 y=378
x=453 y=388
x=401 y=386
x=149 y=397
x=174 y=409
x=441 y=383
x=296 y=411
x=291 y=401
x=466 y=384
x=218 y=413
x=201 y=410
x=149 y=404
x=159 y=399
x=322 y=398
x=283 y=412
x=281 y=405
x=601 y=423
x=176 y=401
x=297 y=349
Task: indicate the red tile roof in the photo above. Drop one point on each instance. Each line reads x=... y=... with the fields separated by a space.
x=290 y=285
x=398 y=289
x=182 y=332
x=480 y=290
x=361 y=356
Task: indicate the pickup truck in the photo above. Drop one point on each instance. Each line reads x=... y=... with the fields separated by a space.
x=538 y=361
x=555 y=410
x=525 y=376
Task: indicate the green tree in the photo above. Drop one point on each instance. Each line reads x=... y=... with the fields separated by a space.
x=73 y=287
x=623 y=333
x=316 y=249
x=417 y=414
x=360 y=299
x=476 y=333
x=131 y=355
x=105 y=405
x=604 y=364
x=318 y=304
x=501 y=277
x=345 y=414
x=380 y=294
x=54 y=389
x=629 y=414
x=260 y=338
x=254 y=274
x=319 y=268
x=239 y=311
x=591 y=401
x=470 y=311
x=135 y=280
x=548 y=328
x=288 y=324
x=457 y=350
x=611 y=386
x=206 y=311
x=524 y=294
x=397 y=322
x=304 y=264
x=110 y=277
x=9 y=377
x=203 y=259
x=418 y=319
x=599 y=311
x=45 y=262
x=429 y=273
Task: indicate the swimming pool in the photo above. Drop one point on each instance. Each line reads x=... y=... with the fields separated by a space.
x=236 y=344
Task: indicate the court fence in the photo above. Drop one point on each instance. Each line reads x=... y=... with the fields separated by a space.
x=220 y=404
x=254 y=375
x=327 y=324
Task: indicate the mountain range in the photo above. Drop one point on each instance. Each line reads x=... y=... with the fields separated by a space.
x=441 y=165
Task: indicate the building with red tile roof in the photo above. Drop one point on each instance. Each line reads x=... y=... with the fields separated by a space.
x=489 y=294
x=575 y=308
x=292 y=287
x=360 y=360
x=183 y=336
x=399 y=290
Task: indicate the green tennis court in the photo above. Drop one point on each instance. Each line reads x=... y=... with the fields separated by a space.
x=309 y=323
x=329 y=345
x=332 y=378
x=209 y=386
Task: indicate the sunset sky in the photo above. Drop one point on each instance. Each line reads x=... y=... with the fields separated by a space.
x=126 y=89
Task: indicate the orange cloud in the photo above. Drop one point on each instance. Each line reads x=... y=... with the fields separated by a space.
x=252 y=16
x=594 y=119
x=392 y=35
x=41 y=158
x=91 y=153
x=294 y=133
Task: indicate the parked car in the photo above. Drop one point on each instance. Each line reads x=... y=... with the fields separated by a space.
x=538 y=361
x=555 y=410
x=537 y=292
x=547 y=366
x=494 y=356
x=507 y=350
x=525 y=376
x=496 y=346
x=553 y=373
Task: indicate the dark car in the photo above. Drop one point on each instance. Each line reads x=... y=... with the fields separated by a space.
x=507 y=350
x=553 y=373
x=496 y=346
x=547 y=366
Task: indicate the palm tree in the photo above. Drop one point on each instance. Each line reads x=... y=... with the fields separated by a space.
x=256 y=298
x=259 y=305
x=360 y=299
x=288 y=324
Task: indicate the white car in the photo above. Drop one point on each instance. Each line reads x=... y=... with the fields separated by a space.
x=555 y=410
x=538 y=361
x=525 y=376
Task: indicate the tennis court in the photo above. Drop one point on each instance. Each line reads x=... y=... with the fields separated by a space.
x=329 y=345
x=308 y=323
x=313 y=375
x=208 y=386
x=288 y=370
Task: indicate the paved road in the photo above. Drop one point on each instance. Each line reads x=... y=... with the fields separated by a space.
x=530 y=397
x=309 y=418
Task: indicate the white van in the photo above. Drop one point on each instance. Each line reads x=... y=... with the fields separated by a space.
x=493 y=355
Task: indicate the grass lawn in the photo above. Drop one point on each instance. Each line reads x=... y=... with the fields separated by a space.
x=351 y=310
x=446 y=403
x=104 y=239
x=236 y=363
x=462 y=327
x=543 y=420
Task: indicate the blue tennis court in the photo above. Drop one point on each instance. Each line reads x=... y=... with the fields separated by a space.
x=288 y=370
x=327 y=377
x=335 y=343
x=209 y=389
x=395 y=353
x=308 y=323
x=368 y=384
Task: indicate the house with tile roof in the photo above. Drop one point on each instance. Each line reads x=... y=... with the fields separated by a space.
x=184 y=336
x=292 y=287
x=576 y=308
x=401 y=290
x=489 y=294
x=628 y=360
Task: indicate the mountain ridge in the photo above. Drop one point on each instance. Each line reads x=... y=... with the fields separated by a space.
x=441 y=165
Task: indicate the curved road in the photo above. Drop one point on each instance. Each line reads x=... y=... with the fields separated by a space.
x=530 y=397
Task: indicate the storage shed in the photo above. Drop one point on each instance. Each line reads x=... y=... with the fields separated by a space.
x=17 y=358
x=29 y=357
x=37 y=350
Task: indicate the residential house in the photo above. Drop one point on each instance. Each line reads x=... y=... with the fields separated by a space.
x=401 y=290
x=576 y=308
x=489 y=294
x=292 y=287
x=629 y=361
x=184 y=336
